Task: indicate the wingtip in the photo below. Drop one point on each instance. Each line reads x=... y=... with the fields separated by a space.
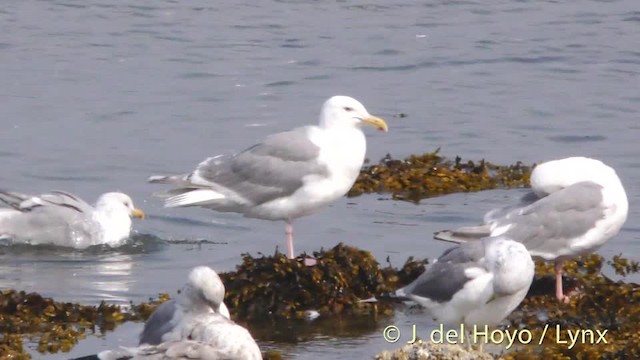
x=155 y=179
x=445 y=235
x=397 y=296
x=88 y=357
x=172 y=202
x=160 y=194
x=463 y=234
x=369 y=300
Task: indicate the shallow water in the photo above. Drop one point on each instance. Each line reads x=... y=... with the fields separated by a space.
x=99 y=95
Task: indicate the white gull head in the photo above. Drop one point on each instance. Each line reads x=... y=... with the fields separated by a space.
x=510 y=263
x=113 y=211
x=345 y=111
x=205 y=289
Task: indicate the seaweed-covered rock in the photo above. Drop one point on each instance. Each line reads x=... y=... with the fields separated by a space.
x=55 y=326
x=396 y=278
x=422 y=176
x=275 y=286
x=430 y=351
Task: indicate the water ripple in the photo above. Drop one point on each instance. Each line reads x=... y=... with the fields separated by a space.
x=280 y=83
x=577 y=138
x=430 y=64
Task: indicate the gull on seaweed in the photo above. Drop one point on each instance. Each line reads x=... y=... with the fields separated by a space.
x=575 y=205
x=200 y=295
x=195 y=326
x=475 y=283
x=285 y=176
x=63 y=219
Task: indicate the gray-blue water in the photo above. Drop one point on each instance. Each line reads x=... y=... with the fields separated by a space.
x=97 y=95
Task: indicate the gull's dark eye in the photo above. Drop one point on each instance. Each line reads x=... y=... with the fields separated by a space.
x=347 y=108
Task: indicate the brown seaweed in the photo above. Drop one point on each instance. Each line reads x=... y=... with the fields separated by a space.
x=421 y=176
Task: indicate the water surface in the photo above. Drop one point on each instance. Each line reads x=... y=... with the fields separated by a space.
x=98 y=95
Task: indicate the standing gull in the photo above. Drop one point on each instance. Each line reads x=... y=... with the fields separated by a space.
x=575 y=206
x=475 y=283
x=195 y=326
x=285 y=176
x=64 y=219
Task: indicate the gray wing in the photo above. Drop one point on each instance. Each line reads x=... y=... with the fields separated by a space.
x=553 y=221
x=26 y=203
x=268 y=170
x=467 y=252
x=158 y=324
x=541 y=224
x=468 y=233
x=56 y=217
x=526 y=200
x=444 y=278
x=440 y=282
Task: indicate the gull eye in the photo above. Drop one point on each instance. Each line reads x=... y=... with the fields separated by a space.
x=347 y=108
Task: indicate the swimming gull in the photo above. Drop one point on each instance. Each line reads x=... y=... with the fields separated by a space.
x=63 y=219
x=575 y=205
x=285 y=176
x=198 y=327
x=475 y=283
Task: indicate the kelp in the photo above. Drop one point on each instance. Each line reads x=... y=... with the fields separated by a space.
x=422 y=176
x=277 y=287
x=274 y=287
x=57 y=326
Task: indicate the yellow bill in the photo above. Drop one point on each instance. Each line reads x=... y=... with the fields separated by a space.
x=137 y=213
x=376 y=122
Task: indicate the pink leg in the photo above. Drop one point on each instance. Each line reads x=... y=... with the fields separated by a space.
x=559 y=294
x=288 y=230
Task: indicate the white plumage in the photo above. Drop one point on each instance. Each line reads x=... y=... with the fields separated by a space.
x=576 y=205
x=194 y=326
x=476 y=283
x=285 y=176
x=64 y=219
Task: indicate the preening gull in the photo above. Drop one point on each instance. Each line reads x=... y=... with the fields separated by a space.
x=63 y=219
x=195 y=326
x=474 y=283
x=170 y=350
x=201 y=294
x=285 y=176
x=575 y=206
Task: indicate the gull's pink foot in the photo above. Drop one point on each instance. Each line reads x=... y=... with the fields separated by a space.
x=310 y=261
x=564 y=299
